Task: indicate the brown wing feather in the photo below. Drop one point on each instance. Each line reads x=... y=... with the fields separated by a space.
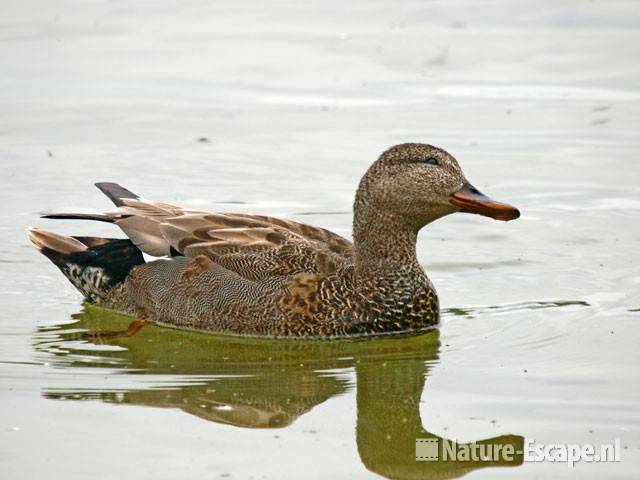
x=257 y=246
x=140 y=221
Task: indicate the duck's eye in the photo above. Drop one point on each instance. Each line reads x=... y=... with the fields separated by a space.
x=431 y=161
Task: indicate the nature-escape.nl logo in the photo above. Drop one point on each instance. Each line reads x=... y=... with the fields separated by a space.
x=433 y=449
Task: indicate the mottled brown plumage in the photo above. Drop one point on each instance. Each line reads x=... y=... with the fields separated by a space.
x=258 y=275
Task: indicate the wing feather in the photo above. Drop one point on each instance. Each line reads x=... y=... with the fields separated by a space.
x=258 y=244
x=255 y=246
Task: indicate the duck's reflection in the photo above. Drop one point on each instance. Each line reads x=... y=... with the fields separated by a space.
x=256 y=383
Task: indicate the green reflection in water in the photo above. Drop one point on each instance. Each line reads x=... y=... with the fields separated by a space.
x=257 y=383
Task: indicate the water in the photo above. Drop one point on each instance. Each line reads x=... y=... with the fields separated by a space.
x=279 y=109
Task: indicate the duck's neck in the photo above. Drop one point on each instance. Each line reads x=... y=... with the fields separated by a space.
x=391 y=290
x=385 y=246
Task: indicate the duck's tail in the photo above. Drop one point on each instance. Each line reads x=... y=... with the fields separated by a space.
x=93 y=265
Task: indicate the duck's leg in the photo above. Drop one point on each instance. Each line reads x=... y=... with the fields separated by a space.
x=133 y=328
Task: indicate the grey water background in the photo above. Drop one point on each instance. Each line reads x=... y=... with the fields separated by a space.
x=279 y=108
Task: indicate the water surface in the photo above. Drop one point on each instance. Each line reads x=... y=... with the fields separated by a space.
x=279 y=109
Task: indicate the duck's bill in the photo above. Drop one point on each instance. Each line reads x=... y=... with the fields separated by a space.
x=470 y=200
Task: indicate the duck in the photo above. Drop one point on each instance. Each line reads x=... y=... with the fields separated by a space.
x=261 y=276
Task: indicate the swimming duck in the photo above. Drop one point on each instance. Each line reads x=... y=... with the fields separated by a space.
x=262 y=276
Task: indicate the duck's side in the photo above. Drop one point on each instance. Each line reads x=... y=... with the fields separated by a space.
x=256 y=275
x=198 y=294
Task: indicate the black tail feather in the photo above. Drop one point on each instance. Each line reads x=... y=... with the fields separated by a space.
x=94 y=270
x=81 y=216
x=115 y=256
x=115 y=192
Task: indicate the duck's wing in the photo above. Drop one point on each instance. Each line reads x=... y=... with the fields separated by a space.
x=255 y=246
x=139 y=220
x=265 y=245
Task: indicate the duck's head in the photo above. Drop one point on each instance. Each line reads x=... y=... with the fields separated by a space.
x=421 y=183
